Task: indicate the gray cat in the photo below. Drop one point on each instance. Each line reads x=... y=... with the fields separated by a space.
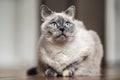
x=66 y=47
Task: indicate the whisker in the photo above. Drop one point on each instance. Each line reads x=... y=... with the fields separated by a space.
x=67 y=36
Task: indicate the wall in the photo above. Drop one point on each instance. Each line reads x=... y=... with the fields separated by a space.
x=118 y=31
x=18 y=33
x=112 y=32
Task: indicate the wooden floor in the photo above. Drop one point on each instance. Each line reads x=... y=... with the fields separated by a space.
x=107 y=74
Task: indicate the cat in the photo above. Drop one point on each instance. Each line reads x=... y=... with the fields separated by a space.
x=66 y=47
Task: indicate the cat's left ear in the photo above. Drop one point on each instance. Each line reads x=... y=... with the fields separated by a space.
x=70 y=11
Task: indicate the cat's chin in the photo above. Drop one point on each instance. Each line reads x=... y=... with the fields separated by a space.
x=60 y=39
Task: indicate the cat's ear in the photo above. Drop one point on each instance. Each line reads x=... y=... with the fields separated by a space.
x=45 y=11
x=70 y=11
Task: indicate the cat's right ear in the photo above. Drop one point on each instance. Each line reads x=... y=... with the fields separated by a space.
x=45 y=11
x=70 y=11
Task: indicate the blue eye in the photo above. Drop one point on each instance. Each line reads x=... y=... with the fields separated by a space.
x=54 y=24
x=67 y=24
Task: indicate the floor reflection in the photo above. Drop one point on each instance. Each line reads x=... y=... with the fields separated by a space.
x=107 y=74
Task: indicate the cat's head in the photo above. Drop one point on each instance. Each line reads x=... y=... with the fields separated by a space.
x=58 y=27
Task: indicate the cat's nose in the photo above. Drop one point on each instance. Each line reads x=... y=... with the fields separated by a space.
x=62 y=29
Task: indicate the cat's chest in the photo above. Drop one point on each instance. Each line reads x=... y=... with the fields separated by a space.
x=74 y=48
x=55 y=50
x=82 y=43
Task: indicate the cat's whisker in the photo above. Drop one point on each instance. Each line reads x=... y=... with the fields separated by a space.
x=49 y=35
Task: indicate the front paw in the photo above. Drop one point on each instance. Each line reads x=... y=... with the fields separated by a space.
x=50 y=73
x=68 y=73
x=58 y=67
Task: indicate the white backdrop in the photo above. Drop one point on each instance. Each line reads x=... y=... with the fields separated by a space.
x=18 y=33
x=112 y=30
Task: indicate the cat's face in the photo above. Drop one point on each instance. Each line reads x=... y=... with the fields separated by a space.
x=58 y=27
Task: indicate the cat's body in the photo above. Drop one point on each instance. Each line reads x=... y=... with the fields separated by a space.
x=67 y=50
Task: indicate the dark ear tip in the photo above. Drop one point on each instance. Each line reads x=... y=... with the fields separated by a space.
x=73 y=6
x=42 y=6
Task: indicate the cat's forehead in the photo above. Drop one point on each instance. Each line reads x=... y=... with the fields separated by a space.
x=59 y=18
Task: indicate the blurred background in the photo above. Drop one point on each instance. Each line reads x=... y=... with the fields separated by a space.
x=20 y=28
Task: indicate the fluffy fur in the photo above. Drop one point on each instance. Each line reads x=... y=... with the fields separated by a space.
x=78 y=54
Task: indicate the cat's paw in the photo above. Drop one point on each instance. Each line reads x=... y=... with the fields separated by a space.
x=50 y=73
x=68 y=73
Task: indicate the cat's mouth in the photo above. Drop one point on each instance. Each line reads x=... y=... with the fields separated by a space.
x=60 y=38
x=61 y=35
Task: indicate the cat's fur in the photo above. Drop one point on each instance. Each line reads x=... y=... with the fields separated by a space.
x=76 y=53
